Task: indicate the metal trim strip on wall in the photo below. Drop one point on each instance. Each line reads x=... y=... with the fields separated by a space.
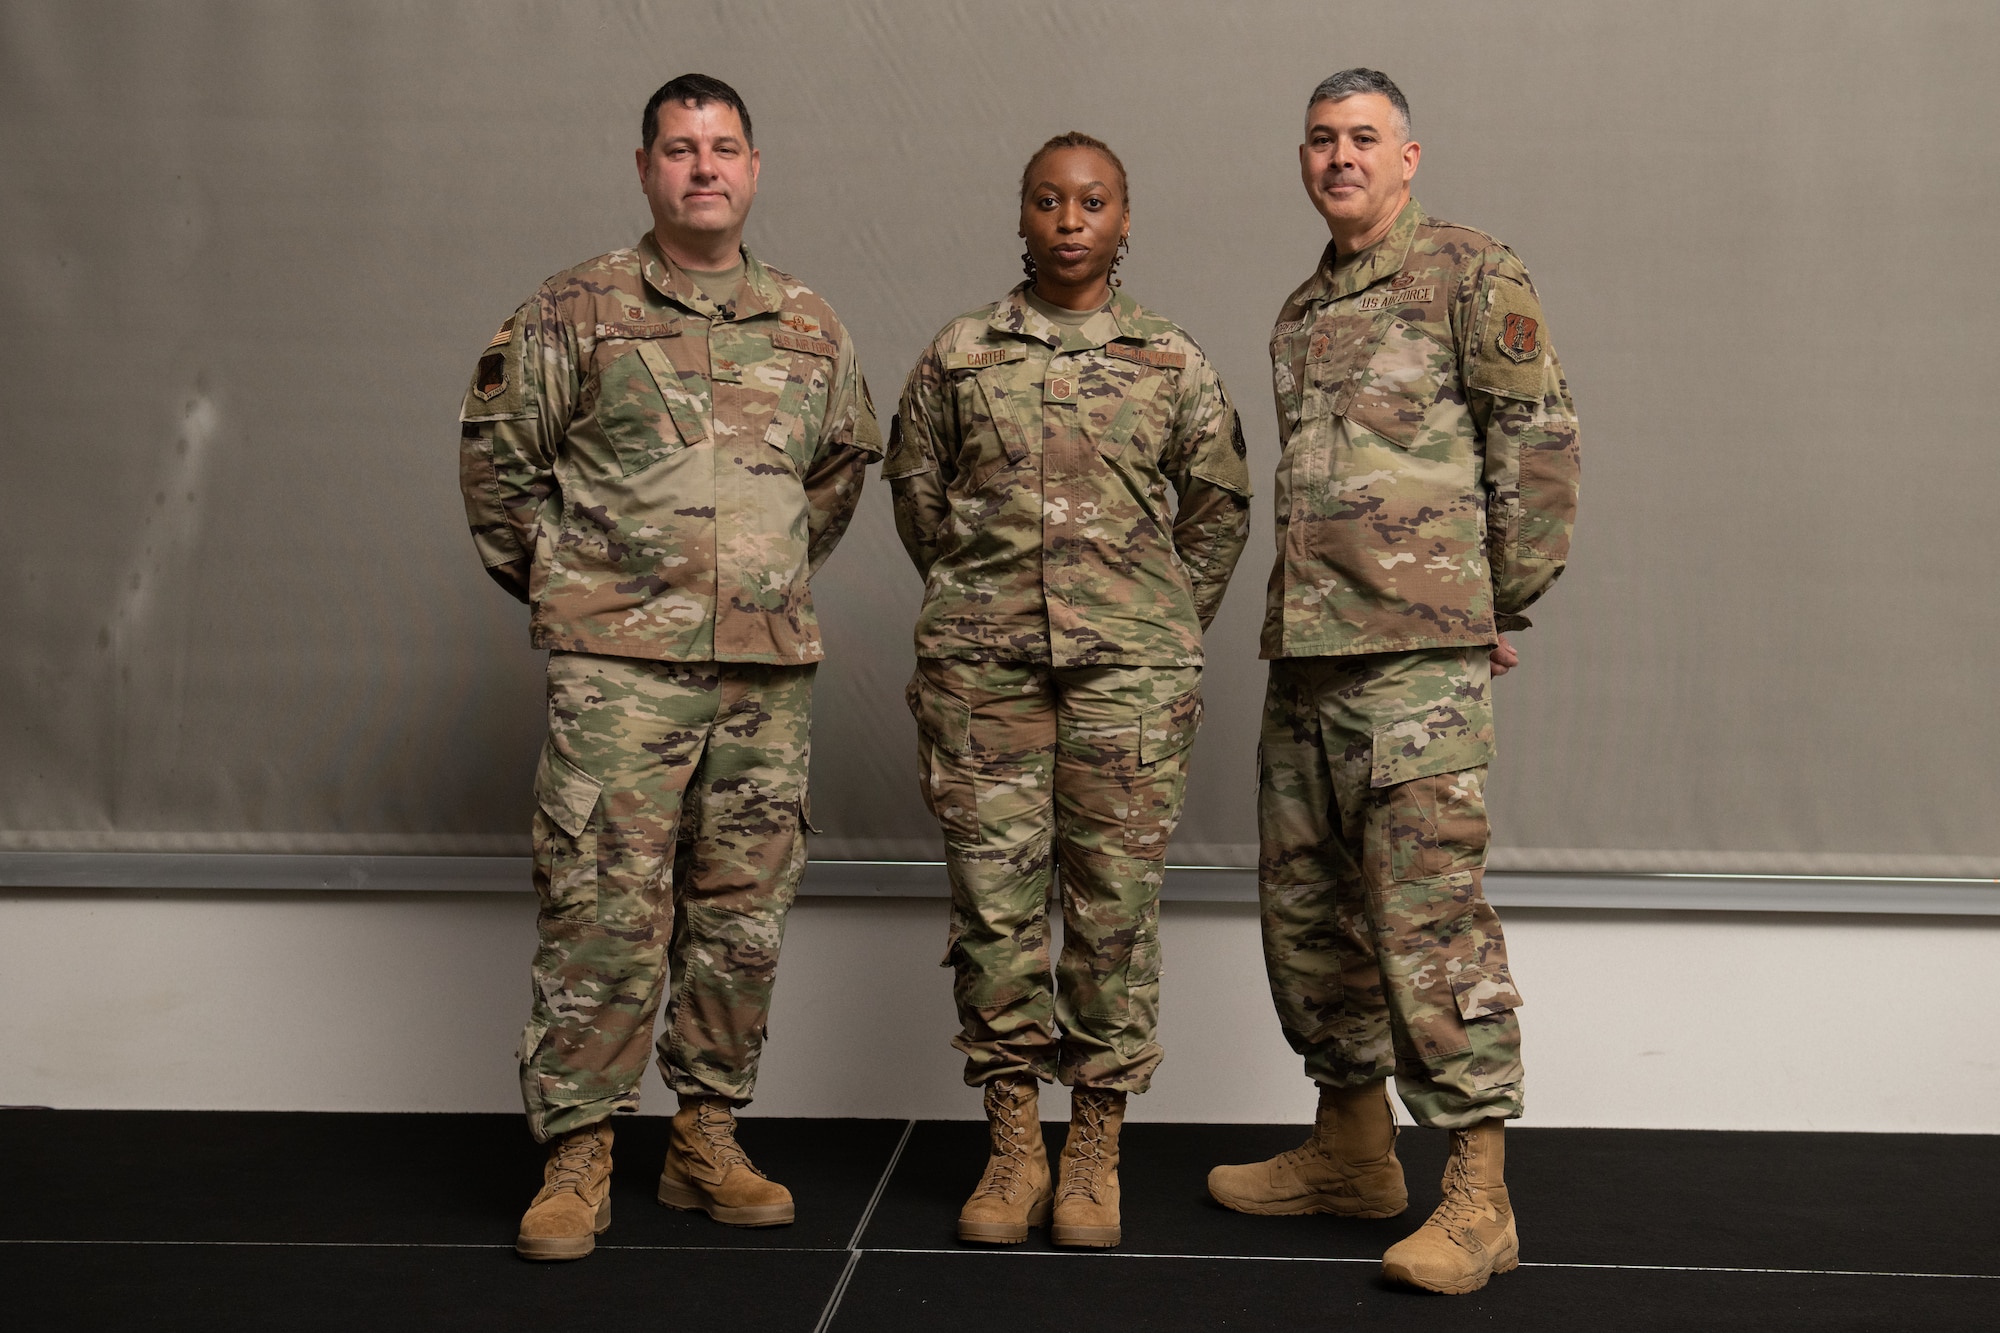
x=253 y=872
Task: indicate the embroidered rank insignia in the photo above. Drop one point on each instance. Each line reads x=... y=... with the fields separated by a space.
x=1147 y=356
x=1316 y=349
x=491 y=377
x=1061 y=388
x=1518 y=340
x=796 y=343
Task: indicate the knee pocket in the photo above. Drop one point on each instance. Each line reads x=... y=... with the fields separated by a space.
x=987 y=977
x=1462 y=992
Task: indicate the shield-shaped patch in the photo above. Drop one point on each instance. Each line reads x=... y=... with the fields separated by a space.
x=491 y=377
x=1519 y=340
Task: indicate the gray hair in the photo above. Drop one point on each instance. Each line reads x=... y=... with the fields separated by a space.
x=1339 y=87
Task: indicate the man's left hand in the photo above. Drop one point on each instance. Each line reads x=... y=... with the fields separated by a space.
x=1503 y=657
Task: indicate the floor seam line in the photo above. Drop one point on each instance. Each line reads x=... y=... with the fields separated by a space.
x=1342 y=1259
x=839 y=1290
x=424 y=1245
x=881 y=1185
x=860 y=1228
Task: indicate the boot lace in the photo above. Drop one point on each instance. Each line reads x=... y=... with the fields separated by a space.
x=717 y=1126
x=1460 y=1209
x=1010 y=1140
x=1081 y=1174
x=1307 y=1152
x=575 y=1155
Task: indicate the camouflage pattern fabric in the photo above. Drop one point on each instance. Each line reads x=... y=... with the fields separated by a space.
x=1428 y=481
x=672 y=468
x=668 y=848
x=1031 y=466
x=1013 y=756
x=1382 y=952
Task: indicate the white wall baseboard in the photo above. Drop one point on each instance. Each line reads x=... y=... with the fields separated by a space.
x=415 y=1002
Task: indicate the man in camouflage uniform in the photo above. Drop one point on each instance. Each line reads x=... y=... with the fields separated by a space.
x=658 y=449
x=1425 y=497
x=1057 y=688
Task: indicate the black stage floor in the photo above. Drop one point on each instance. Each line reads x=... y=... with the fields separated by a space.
x=168 y=1220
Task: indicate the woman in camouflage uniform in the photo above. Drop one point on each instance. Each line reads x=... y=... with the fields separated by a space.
x=1060 y=653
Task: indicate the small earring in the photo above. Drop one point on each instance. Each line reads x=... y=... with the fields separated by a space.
x=1028 y=263
x=1124 y=245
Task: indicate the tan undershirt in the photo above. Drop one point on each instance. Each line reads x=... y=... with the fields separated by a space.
x=1060 y=314
x=718 y=284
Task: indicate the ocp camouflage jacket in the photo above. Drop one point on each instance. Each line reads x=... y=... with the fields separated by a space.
x=674 y=470
x=1428 y=481
x=1031 y=466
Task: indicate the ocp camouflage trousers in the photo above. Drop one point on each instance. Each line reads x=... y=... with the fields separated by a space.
x=1018 y=759
x=1382 y=952
x=669 y=806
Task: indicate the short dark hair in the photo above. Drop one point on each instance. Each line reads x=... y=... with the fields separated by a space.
x=1076 y=139
x=1339 y=87
x=693 y=90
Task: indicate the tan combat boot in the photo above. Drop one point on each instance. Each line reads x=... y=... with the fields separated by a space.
x=1348 y=1166
x=574 y=1204
x=1014 y=1192
x=1087 y=1195
x=708 y=1172
x=1471 y=1235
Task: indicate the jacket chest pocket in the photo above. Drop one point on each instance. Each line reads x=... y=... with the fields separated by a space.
x=647 y=409
x=799 y=382
x=1124 y=412
x=997 y=408
x=1392 y=392
x=1338 y=346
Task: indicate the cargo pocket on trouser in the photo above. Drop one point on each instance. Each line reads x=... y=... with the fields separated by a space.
x=1160 y=783
x=565 y=837
x=1428 y=792
x=944 y=727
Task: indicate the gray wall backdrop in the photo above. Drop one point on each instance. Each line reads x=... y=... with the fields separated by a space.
x=249 y=252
